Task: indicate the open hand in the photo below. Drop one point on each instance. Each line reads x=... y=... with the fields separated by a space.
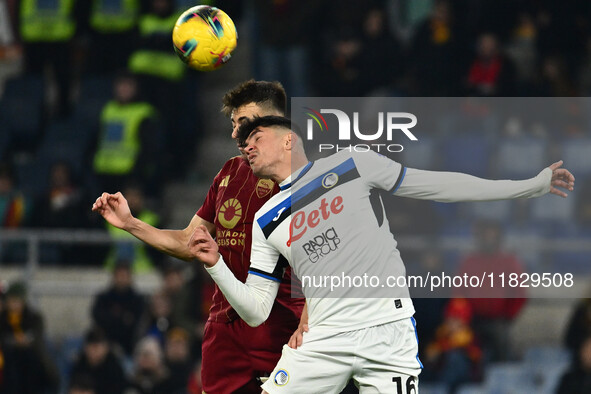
x=561 y=178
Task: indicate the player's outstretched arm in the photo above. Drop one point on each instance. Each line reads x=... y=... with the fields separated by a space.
x=252 y=300
x=455 y=186
x=115 y=209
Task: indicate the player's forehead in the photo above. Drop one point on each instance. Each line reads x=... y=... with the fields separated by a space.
x=259 y=130
x=264 y=130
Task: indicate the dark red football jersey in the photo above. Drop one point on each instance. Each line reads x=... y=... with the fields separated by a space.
x=233 y=199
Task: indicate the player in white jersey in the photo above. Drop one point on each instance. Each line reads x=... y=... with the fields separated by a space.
x=323 y=221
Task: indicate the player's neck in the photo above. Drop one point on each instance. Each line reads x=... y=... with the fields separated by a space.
x=296 y=163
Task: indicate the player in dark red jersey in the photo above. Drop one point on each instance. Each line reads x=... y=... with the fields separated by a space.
x=234 y=354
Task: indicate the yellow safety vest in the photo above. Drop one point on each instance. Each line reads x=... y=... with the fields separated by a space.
x=116 y=20
x=47 y=24
x=134 y=252
x=153 y=62
x=120 y=144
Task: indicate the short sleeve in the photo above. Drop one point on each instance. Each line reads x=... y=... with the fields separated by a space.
x=379 y=171
x=207 y=211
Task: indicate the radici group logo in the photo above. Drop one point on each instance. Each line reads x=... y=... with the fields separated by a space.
x=391 y=125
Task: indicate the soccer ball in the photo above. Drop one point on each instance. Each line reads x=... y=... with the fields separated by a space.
x=204 y=37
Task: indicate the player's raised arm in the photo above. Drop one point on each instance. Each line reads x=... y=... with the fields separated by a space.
x=454 y=186
x=252 y=300
x=115 y=210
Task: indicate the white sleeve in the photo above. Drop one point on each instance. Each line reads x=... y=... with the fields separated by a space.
x=455 y=186
x=378 y=171
x=265 y=260
x=252 y=300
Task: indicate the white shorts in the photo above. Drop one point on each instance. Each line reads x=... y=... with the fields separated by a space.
x=381 y=359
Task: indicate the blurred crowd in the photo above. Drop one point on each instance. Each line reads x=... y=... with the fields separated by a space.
x=427 y=48
x=101 y=103
x=136 y=344
x=151 y=343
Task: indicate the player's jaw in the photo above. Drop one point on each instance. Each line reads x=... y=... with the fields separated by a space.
x=256 y=158
x=261 y=168
x=256 y=165
x=264 y=153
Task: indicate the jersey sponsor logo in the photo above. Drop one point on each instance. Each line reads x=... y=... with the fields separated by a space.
x=306 y=195
x=302 y=220
x=230 y=238
x=225 y=181
x=230 y=213
x=264 y=187
x=321 y=245
x=330 y=180
x=281 y=378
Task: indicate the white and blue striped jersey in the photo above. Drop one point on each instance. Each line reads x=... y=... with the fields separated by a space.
x=327 y=220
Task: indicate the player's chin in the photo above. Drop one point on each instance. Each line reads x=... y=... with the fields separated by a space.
x=258 y=171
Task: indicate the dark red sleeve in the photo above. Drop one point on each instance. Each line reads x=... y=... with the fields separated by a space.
x=207 y=210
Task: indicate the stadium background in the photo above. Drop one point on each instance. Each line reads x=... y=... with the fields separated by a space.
x=52 y=95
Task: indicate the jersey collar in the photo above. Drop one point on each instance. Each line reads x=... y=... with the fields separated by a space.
x=286 y=184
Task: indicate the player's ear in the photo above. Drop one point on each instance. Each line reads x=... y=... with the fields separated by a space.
x=289 y=140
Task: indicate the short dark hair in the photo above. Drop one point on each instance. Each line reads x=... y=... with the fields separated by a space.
x=17 y=289
x=258 y=92
x=264 y=121
x=95 y=335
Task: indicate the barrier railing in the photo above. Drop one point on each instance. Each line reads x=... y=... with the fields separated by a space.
x=34 y=238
